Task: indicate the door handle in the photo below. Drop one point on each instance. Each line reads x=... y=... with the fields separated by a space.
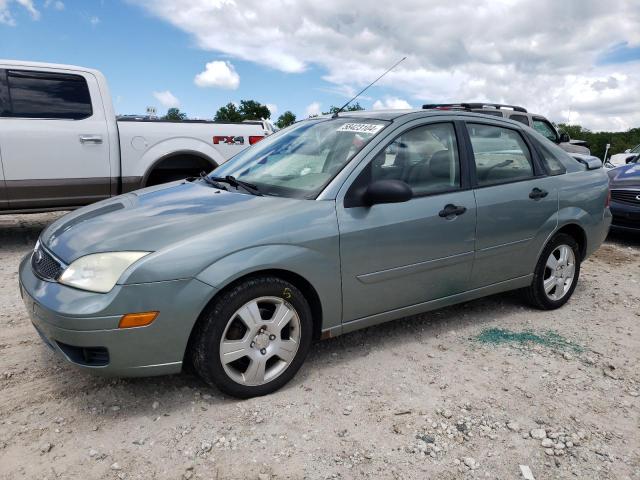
x=538 y=193
x=451 y=210
x=94 y=139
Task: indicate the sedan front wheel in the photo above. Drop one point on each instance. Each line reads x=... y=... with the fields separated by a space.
x=254 y=338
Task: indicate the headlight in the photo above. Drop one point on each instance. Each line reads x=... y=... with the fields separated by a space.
x=99 y=272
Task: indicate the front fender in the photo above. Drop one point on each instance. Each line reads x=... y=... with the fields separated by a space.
x=321 y=270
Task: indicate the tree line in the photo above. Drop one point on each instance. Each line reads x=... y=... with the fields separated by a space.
x=251 y=110
x=597 y=141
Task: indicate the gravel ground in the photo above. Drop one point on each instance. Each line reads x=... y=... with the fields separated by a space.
x=457 y=393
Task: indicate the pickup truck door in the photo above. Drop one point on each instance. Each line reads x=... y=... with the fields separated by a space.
x=4 y=105
x=54 y=139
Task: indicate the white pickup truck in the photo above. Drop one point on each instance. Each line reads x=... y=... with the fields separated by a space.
x=61 y=145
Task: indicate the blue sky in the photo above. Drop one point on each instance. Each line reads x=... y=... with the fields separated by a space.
x=578 y=62
x=141 y=54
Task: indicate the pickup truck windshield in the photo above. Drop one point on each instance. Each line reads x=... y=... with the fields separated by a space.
x=301 y=160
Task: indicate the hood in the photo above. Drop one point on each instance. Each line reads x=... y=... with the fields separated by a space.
x=152 y=218
x=625 y=176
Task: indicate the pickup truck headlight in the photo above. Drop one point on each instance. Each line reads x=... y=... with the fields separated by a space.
x=99 y=272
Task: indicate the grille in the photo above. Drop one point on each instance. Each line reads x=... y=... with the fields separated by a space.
x=626 y=196
x=44 y=265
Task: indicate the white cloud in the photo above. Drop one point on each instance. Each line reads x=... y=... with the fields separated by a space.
x=313 y=109
x=391 y=103
x=6 y=15
x=218 y=74
x=55 y=4
x=94 y=20
x=542 y=54
x=273 y=108
x=167 y=99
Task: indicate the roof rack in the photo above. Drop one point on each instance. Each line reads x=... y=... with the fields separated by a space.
x=471 y=106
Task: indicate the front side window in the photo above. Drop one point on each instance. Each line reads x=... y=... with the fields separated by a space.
x=299 y=161
x=544 y=128
x=501 y=154
x=426 y=158
x=48 y=95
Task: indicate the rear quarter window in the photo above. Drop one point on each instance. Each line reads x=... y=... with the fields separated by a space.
x=48 y=95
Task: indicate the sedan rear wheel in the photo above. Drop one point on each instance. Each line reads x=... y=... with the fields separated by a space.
x=253 y=338
x=556 y=273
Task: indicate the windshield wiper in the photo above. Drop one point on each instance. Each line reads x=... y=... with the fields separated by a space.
x=207 y=179
x=234 y=182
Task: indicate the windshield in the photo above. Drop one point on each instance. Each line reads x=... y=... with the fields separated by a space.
x=300 y=161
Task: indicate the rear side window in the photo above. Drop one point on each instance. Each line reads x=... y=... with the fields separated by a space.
x=544 y=128
x=48 y=95
x=551 y=161
x=520 y=118
x=501 y=154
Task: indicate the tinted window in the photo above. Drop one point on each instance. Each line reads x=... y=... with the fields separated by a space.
x=495 y=113
x=520 y=118
x=4 y=94
x=501 y=155
x=550 y=159
x=544 y=128
x=425 y=157
x=48 y=95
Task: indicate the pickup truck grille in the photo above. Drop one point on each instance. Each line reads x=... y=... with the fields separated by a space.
x=45 y=265
x=626 y=196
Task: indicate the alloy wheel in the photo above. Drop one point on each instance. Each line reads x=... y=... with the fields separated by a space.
x=559 y=272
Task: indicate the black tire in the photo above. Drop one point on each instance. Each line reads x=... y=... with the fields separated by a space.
x=535 y=293
x=205 y=345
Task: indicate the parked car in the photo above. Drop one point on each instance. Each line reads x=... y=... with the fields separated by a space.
x=61 y=146
x=624 y=183
x=331 y=225
x=539 y=123
x=628 y=156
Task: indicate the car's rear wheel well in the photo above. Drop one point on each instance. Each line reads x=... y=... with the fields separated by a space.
x=298 y=281
x=579 y=235
x=175 y=167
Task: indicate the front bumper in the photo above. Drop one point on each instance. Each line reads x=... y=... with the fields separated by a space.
x=625 y=216
x=83 y=326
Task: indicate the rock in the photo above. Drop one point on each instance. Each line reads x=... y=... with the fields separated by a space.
x=46 y=447
x=513 y=426
x=115 y=408
x=548 y=451
x=347 y=410
x=567 y=356
x=93 y=453
x=206 y=446
x=447 y=414
x=546 y=443
x=538 y=433
x=155 y=405
x=116 y=466
x=470 y=462
x=264 y=476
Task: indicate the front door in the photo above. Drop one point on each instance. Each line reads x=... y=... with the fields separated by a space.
x=54 y=140
x=402 y=254
x=517 y=204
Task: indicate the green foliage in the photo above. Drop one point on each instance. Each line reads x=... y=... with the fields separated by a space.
x=597 y=141
x=248 y=110
x=350 y=108
x=286 y=119
x=228 y=113
x=174 y=114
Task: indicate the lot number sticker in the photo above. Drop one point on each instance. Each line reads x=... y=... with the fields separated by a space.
x=366 y=128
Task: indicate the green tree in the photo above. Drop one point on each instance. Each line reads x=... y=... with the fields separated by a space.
x=228 y=113
x=174 y=114
x=597 y=141
x=354 y=107
x=252 y=110
x=286 y=119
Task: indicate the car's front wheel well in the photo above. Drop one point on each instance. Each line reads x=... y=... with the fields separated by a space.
x=579 y=235
x=309 y=292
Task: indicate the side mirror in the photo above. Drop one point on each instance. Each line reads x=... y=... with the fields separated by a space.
x=387 y=191
x=564 y=137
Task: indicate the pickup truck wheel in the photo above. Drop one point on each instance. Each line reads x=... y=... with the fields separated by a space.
x=556 y=274
x=254 y=338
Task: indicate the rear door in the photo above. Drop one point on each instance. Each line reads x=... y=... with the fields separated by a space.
x=54 y=139
x=517 y=203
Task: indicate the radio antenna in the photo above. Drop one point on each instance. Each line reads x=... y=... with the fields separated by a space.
x=365 y=88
